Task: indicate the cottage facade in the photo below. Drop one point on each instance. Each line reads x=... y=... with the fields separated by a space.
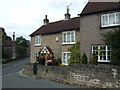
x=58 y=36
x=96 y=19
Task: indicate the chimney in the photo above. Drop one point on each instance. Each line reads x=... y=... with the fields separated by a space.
x=13 y=36
x=67 y=15
x=45 y=21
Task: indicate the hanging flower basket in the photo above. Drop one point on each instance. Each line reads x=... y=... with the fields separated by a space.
x=48 y=57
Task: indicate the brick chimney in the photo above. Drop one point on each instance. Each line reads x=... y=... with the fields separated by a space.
x=13 y=36
x=67 y=15
x=46 y=21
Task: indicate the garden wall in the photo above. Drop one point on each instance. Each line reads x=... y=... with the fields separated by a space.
x=97 y=76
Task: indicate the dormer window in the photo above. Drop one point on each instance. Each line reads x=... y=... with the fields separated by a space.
x=37 y=40
x=111 y=19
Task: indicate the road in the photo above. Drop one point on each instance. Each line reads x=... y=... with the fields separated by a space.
x=11 y=78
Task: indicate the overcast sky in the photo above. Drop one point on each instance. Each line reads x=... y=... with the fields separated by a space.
x=25 y=16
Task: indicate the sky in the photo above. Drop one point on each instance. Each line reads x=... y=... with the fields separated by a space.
x=25 y=16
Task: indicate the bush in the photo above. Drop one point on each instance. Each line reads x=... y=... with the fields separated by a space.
x=94 y=60
x=112 y=38
x=75 y=54
x=5 y=60
x=57 y=61
x=41 y=60
x=84 y=59
x=115 y=59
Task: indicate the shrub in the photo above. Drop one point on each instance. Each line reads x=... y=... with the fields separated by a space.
x=57 y=61
x=75 y=54
x=5 y=60
x=84 y=59
x=94 y=60
x=112 y=38
x=41 y=60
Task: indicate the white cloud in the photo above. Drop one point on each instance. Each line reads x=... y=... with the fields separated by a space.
x=25 y=16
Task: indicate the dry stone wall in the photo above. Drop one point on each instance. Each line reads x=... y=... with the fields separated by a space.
x=97 y=76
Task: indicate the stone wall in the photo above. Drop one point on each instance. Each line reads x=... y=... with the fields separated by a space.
x=97 y=76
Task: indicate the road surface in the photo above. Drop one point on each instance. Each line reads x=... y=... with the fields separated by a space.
x=11 y=78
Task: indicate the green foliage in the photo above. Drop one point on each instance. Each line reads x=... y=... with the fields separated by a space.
x=21 y=41
x=4 y=53
x=112 y=38
x=57 y=61
x=41 y=60
x=84 y=59
x=75 y=54
x=94 y=60
x=4 y=36
x=21 y=50
x=5 y=60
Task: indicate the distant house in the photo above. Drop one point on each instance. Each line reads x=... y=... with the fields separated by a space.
x=98 y=18
x=56 y=37
x=8 y=46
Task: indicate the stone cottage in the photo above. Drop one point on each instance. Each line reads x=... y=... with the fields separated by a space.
x=96 y=19
x=56 y=37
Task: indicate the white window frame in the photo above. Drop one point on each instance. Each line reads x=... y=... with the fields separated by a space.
x=66 y=58
x=66 y=38
x=102 y=55
x=37 y=40
x=116 y=19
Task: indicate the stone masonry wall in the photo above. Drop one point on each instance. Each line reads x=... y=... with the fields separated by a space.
x=97 y=76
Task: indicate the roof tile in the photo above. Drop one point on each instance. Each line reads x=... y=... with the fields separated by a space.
x=59 y=26
x=96 y=7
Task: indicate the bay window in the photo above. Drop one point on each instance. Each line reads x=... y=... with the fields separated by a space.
x=111 y=19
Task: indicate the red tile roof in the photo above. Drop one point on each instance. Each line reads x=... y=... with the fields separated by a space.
x=97 y=7
x=59 y=26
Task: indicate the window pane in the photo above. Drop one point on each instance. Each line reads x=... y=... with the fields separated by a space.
x=93 y=47
x=109 y=57
x=64 y=57
x=104 y=47
x=105 y=20
x=68 y=56
x=38 y=41
x=109 y=53
x=72 y=37
x=118 y=18
x=64 y=37
x=96 y=53
x=68 y=37
x=112 y=19
x=104 y=57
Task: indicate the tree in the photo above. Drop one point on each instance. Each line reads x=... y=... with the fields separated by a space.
x=112 y=38
x=4 y=35
x=75 y=54
x=21 y=44
x=21 y=41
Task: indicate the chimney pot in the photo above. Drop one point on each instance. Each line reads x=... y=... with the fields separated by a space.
x=46 y=21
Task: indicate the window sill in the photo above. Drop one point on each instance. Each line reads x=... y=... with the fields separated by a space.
x=68 y=43
x=103 y=61
x=110 y=26
x=65 y=64
x=37 y=45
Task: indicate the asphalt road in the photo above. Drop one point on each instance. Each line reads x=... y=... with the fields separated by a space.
x=11 y=78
